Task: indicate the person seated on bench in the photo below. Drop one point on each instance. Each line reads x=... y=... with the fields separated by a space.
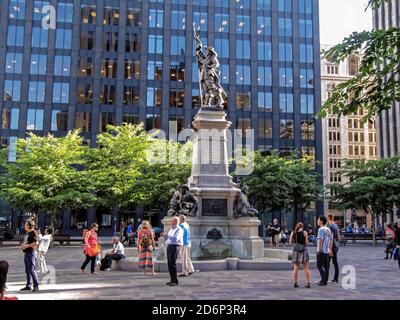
x=117 y=254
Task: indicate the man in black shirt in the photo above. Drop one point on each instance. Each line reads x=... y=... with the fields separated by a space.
x=274 y=231
x=29 y=248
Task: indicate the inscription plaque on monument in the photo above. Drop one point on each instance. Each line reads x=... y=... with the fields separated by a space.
x=215 y=207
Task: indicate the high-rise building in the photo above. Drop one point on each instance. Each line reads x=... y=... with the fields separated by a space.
x=388 y=122
x=345 y=138
x=115 y=61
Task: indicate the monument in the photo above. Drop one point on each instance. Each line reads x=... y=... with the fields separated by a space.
x=222 y=222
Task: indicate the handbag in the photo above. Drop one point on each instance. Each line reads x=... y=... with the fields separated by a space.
x=93 y=251
x=298 y=247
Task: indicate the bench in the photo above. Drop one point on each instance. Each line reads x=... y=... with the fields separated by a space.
x=354 y=237
x=16 y=238
x=65 y=238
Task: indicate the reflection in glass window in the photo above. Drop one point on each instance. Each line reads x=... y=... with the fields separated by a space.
x=176 y=98
x=60 y=92
x=263 y=5
x=242 y=24
x=222 y=47
x=106 y=118
x=40 y=37
x=130 y=118
x=62 y=65
x=109 y=68
x=156 y=44
x=16 y=9
x=264 y=128
x=177 y=45
x=242 y=4
x=308 y=130
x=225 y=74
x=34 y=119
x=85 y=67
x=286 y=77
x=222 y=3
x=38 y=64
x=132 y=69
x=10 y=118
x=13 y=62
x=132 y=42
x=83 y=121
x=264 y=76
x=243 y=100
x=285 y=5
x=15 y=36
x=286 y=129
x=264 y=51
x=307 y=104
x=88 y=14
x=306 y=53
x=285 y=52
x=153 y=121
x=63 y=38
x=107 y=94
x=243 y=49
x=265 y=101
x=243 y=75
x=177 y=71
x=154 y=70
x=306 y=6
x=36 y=91
x=65 y=12
x=110 y=41
x=133 y=17
x=38 y=6
x=131 y=95
x=196 y=98
x=12 y=90
x=87 y=40
x=156 y=18
x=222 y=22
x=59 y=120
x=285 y=27
x=178 y=20
x=85 y=93
x=264 y=25
x=154 y=96
x=111 y=16
x=200 y=21
x=12 y=149
x=306 y=28
x=306 y=78
x=286 y=102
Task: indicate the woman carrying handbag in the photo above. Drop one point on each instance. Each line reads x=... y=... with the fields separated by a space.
x=300 y=254
x=92 y=248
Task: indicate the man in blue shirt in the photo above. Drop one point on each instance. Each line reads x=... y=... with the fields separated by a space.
x=187 y=266
x=324 y=250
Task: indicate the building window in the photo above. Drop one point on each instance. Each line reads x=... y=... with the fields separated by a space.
x=16 y=9
x=133 y=17
x=62 y=66
x=107 y=94
x=225 y=74
x=306 y=53
x=63 y=39
x=13 y=62
x=265 y=101
x=286 y=102
x=132 y=42
x=335 y=150
x=307 y=104
x=105 y=119
x=306 y=78
x=85 y=67
x=285 y=52
x=264 y=5
x=306 y=28
x=286 y=77
x=10 y=118
x=243 y=49
x=35 y=119
x=12 y=149
x=243 y=100
x=177 y=71
x=354 y=65
x=243 y=124
x=178 y=20
x=177 y=45
x=88 y=40
x=222 y=22
x=156 y=44
x=38 y=6
x=264 y=128
x=40 y=37
x=36 y=91
x=285 y=5
x=15 y=36
x=60 y=92
x=200 y=21
x=154 y=70
x=88 y=14
x=154 y=96
x=306 y=6
x=59 y=120
x=110 y=41
x=130 y=118
x=243 y=75
x=307 y=130
x=111 y=16
x=153 y=122
x=85 y=94
x=156 y=18
x=264 y=76
x=65 y=12
x=264 y=51
x=286 y=129
x=132 y=69
x=243 y=24
x=12 y=90
x=83 y=121
x=38 y=64
x=109 y=68
x=285 y=27
x=131 y=95
x=264 y=26
x=176 y=98
x=222 y=47
x=196 y=98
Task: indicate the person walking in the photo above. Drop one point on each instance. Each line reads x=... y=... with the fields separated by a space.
x=174 y=239
x=145 y=243
x=335 y=246
x=274 y=230
x=398 y=244
x=92 y=248
x=44 y=243
x=390 y=237
x=3 y=281
x=187 y=266
x=29 y=248
x=324 y=250
x=299 y=238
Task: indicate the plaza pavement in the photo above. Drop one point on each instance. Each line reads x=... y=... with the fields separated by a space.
x=375 y=279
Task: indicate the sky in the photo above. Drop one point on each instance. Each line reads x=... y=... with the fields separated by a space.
x=339 y=18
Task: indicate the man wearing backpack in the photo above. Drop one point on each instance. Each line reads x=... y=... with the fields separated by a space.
x=335 y=246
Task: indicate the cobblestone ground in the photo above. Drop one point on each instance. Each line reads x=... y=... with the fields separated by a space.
x=375 y=279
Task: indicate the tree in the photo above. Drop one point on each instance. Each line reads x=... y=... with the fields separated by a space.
x=46 y=176
x=376 y=86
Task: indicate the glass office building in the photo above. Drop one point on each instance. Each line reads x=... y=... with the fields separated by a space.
x=388 y=122
x=116 y=61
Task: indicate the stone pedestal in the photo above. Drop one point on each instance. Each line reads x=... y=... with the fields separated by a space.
x=215 y=233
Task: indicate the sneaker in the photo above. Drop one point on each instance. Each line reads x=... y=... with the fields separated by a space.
x=173 y=284
x=36 y=289
x=334 y=281
x=26 y=289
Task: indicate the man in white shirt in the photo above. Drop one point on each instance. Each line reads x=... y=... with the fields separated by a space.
x=117 y=253
x=174 y=240
x=44 y=243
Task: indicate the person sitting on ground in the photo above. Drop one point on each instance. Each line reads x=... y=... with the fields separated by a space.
x=117 y=253
x=3 y=280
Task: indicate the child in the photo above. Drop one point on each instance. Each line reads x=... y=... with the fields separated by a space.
x=3 y=280
x=44 y=243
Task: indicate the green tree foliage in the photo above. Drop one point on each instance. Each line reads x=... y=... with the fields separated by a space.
x=46 y=176
x=376 y=86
